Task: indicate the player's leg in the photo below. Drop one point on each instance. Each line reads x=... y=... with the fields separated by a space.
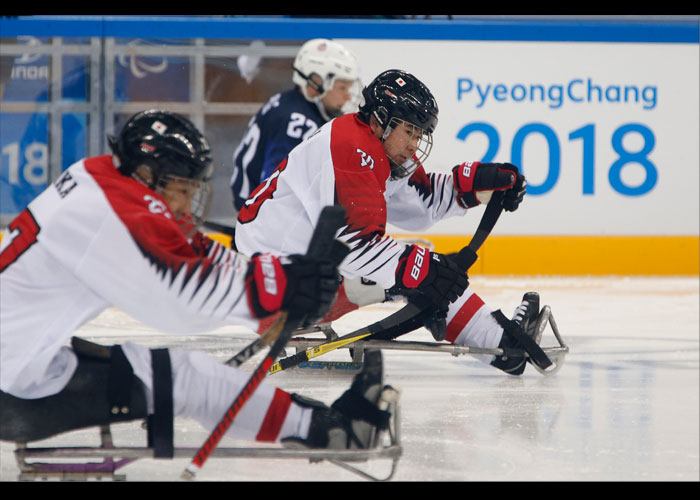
x=352 y=420
x=101 y=391
x=471 y=322
x=121 y=383
x=203 y=390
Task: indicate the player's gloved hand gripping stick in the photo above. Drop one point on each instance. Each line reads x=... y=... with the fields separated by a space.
x=323 y=245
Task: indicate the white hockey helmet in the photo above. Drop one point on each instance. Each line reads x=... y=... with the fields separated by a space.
x=330 y=61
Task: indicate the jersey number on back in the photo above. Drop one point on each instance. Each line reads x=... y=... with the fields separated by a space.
x=263 y=192
x=296 y=125
x=22 y=235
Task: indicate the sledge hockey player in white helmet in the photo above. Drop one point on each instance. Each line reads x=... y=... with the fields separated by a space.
x=119 y=231
x=326 y=72
x=326 y=85
x=372 y=163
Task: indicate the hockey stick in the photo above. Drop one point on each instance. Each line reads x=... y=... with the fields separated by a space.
x=251 y=349
x=467 y=258
x=402 y=317
x=323 y=244
x=410 y=317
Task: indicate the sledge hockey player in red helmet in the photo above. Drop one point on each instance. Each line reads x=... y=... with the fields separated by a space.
x=120 y=230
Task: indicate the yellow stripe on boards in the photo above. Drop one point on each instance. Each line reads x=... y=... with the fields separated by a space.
x=569 y=255
x=224 y=239
x=580 y=255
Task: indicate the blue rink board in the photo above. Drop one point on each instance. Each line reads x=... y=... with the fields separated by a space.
x=585 y=30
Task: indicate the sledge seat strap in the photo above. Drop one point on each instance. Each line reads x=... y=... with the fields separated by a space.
x=160 y=424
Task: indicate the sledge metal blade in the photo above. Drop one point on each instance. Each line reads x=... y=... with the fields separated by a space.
x=556 y=354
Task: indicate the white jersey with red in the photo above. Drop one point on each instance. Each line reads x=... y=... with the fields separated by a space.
x=344 y=163
x=95 y=239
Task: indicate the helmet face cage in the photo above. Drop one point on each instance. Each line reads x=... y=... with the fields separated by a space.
x=416 y=153
x=189 y=199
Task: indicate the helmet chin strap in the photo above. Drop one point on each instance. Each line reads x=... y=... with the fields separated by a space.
x=317 y=100
x=144 y=174
x=387 y=132
x=401 y=171
x=395 y=167
x=316 y=86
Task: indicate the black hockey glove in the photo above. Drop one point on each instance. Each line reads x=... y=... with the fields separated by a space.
x=514 y=196
x=298 y=284
x=475 y=181
x=437 y=277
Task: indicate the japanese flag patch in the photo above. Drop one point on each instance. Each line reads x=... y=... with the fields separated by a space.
x=159 y=127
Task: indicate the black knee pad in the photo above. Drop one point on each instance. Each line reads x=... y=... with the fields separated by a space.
x=103 y=390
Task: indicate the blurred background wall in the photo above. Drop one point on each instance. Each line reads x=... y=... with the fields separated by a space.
x=600 y=113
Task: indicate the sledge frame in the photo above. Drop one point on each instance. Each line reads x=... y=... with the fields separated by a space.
x=556 y=353
x=32 y=465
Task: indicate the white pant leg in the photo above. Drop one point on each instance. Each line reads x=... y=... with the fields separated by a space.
x=203 y=389
x=469 y=323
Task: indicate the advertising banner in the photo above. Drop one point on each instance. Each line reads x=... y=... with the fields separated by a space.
x=606 y=133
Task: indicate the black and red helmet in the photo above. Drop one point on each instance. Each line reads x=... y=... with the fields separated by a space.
x=395 y=97
x=398 y=94
x=167 y=142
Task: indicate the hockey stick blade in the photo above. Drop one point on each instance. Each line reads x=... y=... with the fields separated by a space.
x=323 y=245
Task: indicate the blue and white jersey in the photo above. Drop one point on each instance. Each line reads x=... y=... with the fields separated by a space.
x=282 y=123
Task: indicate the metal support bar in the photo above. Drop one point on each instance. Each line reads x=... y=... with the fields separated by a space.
x=557 y=353
x=387 y=447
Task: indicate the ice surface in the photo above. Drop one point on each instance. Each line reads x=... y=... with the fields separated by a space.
x=624 y=407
